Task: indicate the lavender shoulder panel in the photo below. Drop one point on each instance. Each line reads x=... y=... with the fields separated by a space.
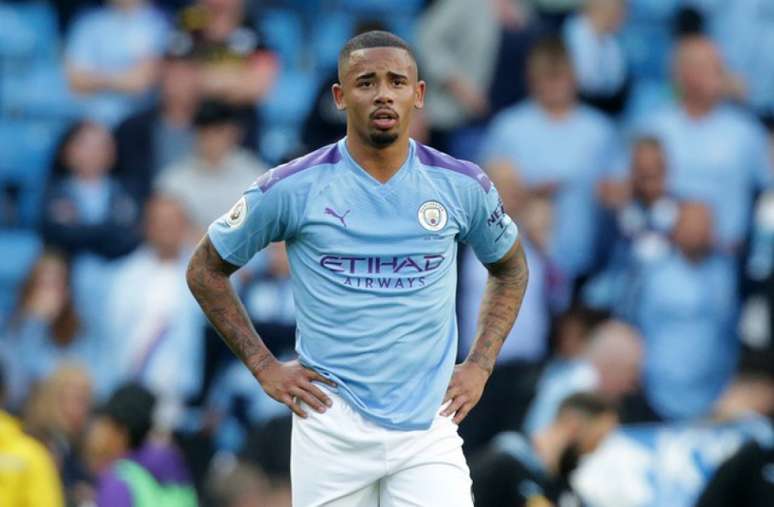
x=325 y=155
x=432 y=157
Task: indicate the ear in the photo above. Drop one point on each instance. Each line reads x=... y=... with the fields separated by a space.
x=419 y=98
x=338 y=96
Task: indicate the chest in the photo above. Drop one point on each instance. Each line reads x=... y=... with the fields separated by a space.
x=414 y=222
x=539 y=159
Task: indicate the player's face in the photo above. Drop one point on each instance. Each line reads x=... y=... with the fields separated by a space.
x=379 y=91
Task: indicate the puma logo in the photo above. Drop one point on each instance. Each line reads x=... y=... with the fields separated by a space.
x=332 y=212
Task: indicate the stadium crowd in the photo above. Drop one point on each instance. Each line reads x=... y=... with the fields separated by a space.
x=631 y=140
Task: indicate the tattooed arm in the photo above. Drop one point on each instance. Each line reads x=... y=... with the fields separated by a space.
x=208 y=279
x=502 y=299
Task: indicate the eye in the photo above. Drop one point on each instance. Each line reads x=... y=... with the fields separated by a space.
x=398 y=82
x=364 y=84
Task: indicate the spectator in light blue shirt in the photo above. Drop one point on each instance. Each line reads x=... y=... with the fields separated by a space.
x=687 y=302
x=112 y=55
x=560 y=149
x=716 y=153
x=643 y=214
x=597 y=55
x=744 y=31
x=156 y=331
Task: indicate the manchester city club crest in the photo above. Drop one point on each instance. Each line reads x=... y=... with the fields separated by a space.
x=432 y=216
x=236 y=216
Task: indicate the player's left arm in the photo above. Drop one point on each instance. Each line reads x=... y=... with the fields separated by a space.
x=502 y=299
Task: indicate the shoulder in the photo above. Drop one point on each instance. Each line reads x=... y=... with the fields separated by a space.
x=452 y=167
x=299 y=170
x=739 y=119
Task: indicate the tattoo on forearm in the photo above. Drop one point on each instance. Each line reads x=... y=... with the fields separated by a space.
x=500 y=305
x=208 y=280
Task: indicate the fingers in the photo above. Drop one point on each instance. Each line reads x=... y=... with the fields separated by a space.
x=454 y=406
x=451 y=393
x=313 y=375
x=462 y=413
x=302 y=395
x=317 y=393
x=294 y=406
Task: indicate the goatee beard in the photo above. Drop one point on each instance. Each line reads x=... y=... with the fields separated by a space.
x=382 y=139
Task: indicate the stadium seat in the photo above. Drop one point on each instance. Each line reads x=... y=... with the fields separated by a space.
x=330 y=33
x=284 y=33
x=19 y=250
x=36 y=89
x=25 y=157
x=28 y=30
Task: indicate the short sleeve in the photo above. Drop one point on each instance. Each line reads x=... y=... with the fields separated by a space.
x=491 y=232
x=258 y=218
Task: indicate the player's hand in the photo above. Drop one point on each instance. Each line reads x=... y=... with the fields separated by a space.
x=465 y=389
x=290 y=383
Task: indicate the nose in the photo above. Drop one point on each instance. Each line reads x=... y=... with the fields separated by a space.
x=384 y=95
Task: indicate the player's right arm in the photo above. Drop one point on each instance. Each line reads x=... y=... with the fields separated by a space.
x=257 y=219
x=208 y=279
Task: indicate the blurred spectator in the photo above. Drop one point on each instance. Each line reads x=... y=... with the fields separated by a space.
x=235 y=64
x=523 y=139
x=690 y=346
x=743 y=31
x=155 y=138
x=45 y=330
x=643 y=215
x=111 y=57
x=209 y=181
x=597 y=55
x=26 y=463
x=57 y=413
x=461 y=71
x=610 y=366
x=154 y=323
x=134 y=470
x=85 y=208
x=716 y=154
x=521 y=471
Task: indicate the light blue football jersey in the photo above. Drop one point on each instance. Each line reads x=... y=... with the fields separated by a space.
x=373 y=268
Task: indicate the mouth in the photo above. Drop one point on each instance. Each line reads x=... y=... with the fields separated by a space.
x=384 y=119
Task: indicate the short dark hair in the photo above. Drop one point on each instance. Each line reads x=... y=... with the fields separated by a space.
x=586 y=403
x=213 y=112
x=374 y=39
x=131 y=407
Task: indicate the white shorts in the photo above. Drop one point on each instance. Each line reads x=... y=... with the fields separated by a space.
x=340 y=459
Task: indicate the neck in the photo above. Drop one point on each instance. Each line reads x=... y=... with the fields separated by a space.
x=697 y=108
x=213 y=160
x=548 y=444
x=381 y=163
x=177 y=113
x=558 y=111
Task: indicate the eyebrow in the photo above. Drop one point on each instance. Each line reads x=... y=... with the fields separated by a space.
x=390 y=74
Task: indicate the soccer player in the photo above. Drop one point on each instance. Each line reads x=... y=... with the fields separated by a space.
x=371 y=225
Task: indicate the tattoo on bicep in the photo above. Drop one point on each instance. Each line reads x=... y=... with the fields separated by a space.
x=208 y=279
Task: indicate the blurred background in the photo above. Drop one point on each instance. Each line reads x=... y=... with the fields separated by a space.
x=630 y=139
